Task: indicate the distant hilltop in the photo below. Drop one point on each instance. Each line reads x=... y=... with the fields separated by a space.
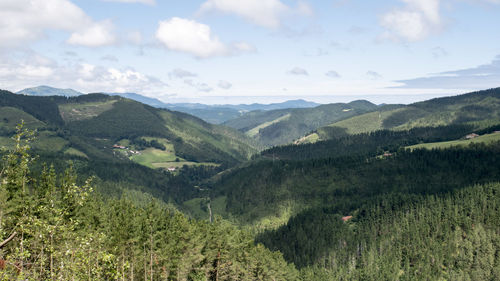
x=45 y=91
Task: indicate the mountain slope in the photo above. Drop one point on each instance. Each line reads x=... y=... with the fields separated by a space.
x=94 y=123
x=44 y=91
x=277 y=127
x=446 y=237
x=478 y=108
x=266 y=192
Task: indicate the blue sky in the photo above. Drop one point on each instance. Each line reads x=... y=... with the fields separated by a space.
x=243 y=51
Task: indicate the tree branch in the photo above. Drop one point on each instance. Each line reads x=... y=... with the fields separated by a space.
x=8 y=239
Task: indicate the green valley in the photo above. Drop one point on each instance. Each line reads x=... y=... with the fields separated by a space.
x=378 y=196
x=278 y=127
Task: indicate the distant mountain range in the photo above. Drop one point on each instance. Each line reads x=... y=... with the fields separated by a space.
x=215 y=114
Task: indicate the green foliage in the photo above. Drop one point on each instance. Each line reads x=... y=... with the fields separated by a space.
x=125 y=119
x=42 y=108
x=10 y=117
x=449 y=237
x=62 y=231
x=263 y=187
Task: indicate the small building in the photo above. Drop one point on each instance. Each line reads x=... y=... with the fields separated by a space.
x=346 y=218
x=471 y=136
x=171 y=169
x=119 y=146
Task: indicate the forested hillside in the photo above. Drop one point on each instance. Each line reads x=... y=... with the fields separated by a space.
x=172 y=197
x=480 y=109
x=449 y=237
x=54 y=229
x=126 y=145
x=89 y=125
x=283 y=126
x=269 y=189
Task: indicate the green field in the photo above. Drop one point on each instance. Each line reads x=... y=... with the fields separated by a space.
x=6 y=142
x=365 y=123
x=312 y=138
x=152 y=156
x=253 y=132
x=198 y=207
x=48 y=141
x=75 y=152
x=81 y=111
x=179 y=164
x=10 y=117
x=489 y=138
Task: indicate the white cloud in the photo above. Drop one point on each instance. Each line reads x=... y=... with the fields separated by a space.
x=202 y=87
x=304 y=9
x=195 y=38
x=110 y=58
x=23 y=21
x=22 y=70
x=244 y=47
x=481 y=77
x=134 y=37
x=417 y=20
x=298 y=71
x=261 y=12
x=332 y=74
x=373 y=75
x=267 y=13
x=148 y=2
x=224 y=85
x=191 y=37
x=181 y=73
x=96 y=35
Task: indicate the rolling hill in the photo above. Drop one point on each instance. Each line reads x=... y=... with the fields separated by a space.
x=45 y=91
x=214 y=114
x=276 y=127
x=480 y=109
x=92 y=124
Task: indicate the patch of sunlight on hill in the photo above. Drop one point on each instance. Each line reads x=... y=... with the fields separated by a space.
x=48 y=141
x=152 y=155
x=253 y=132
x=312 y=138
x=486 y=139
x=81 y=111
x=365 y=123
x=75 y=152
x=10 y=117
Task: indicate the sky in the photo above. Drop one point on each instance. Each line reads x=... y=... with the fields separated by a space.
x=246 y=51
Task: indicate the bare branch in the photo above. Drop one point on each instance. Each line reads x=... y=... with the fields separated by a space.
x=8 y=239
